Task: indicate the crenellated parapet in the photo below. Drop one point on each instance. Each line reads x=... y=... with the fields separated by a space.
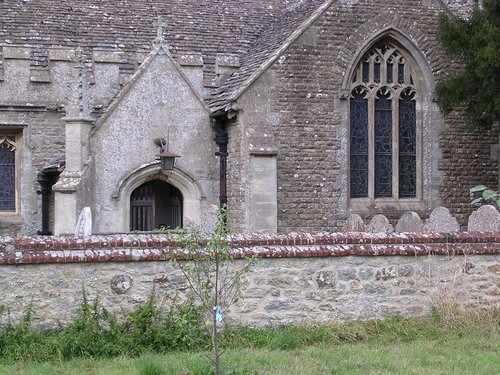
x=23 y=68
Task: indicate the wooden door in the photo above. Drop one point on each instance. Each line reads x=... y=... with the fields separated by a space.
x=154 y=205
x=142 y=208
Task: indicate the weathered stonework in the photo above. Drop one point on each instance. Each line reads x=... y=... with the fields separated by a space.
x=103 y=86
x=300 y=278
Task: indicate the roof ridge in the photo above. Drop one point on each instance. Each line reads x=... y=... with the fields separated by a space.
x=288 y=28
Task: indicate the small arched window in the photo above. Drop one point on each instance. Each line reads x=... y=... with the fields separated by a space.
x=383 y=126
x=7 y=173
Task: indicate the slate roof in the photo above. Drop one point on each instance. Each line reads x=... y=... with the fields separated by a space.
x=193 y=26
x=255 y=30
x=266 y=49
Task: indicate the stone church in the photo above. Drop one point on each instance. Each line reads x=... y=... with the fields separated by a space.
x=295 y=113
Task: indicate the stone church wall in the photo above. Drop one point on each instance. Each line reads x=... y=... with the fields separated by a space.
x=300 y=278
x=313 y=128
x=29 y=74
x=123 y=141
x=468 y=160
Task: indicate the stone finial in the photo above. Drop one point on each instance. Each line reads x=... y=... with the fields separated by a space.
x=485 y=218
x=159 y=24
x=84 y=224
x=409 y=222
x=79 y=102
x=379 y=224
x=354 y=223
x=440 y=220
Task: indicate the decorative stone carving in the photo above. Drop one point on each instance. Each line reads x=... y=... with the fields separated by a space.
x=409 y=222
x=441 y=220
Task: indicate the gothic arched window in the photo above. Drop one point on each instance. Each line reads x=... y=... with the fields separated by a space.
x=383 y=126
x=7 y=173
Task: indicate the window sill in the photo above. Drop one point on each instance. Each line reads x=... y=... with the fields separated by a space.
x=385 y=206
x=10 y=218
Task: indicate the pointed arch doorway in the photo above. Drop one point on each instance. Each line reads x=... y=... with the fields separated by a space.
x=155 y=205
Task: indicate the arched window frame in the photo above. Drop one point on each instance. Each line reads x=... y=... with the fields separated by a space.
x=9 y=144
x=386 y=69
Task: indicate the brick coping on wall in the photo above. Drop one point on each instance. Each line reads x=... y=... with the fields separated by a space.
x=163 y=247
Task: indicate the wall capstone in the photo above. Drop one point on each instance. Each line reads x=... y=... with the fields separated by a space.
x=313 y=277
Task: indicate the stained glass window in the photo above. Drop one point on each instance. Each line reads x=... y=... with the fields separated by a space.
x=407 y=146
x=401 y=73
x=390 y=67
x=8 y=174
x=383 y=126
x=376 y=72
x=383 y=146
x=359 y=145
x=366 y=72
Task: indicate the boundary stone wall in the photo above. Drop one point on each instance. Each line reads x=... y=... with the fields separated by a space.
x=301 y=277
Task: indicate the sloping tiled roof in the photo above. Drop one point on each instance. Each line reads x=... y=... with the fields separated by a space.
x=255 y=30
x=266 y=49
x=193 y=26
x=251 y=29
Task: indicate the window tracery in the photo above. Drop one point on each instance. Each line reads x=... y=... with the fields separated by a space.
x=7 y=173
x=383 y=126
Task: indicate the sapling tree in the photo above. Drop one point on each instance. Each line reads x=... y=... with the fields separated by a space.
x=213 y=275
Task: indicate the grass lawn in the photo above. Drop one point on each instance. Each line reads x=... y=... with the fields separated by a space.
x=452 y=353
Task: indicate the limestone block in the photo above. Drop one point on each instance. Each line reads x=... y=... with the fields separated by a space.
x=18 y=53
x=61 y=54
x=379 y=224
x=227 y=60
x=485 y=218
x=409 y=222
x=190 y=60
x=40 y=75
x=106 y=56
x=441 y=220
x=210 y=80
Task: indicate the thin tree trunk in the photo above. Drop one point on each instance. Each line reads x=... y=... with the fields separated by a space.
x=215 y=343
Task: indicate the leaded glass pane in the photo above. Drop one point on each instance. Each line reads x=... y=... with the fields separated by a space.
x=389 y=72
x=384 y=71
x=359 y=146
x=383 y=146
x=376 y=72
x=7 y=179
x=366 y=72
x=401 y=73
x=407 y=147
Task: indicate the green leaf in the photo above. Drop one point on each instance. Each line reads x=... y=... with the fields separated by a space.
x=498 y=202
x=478 y=188
x=489 y=194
